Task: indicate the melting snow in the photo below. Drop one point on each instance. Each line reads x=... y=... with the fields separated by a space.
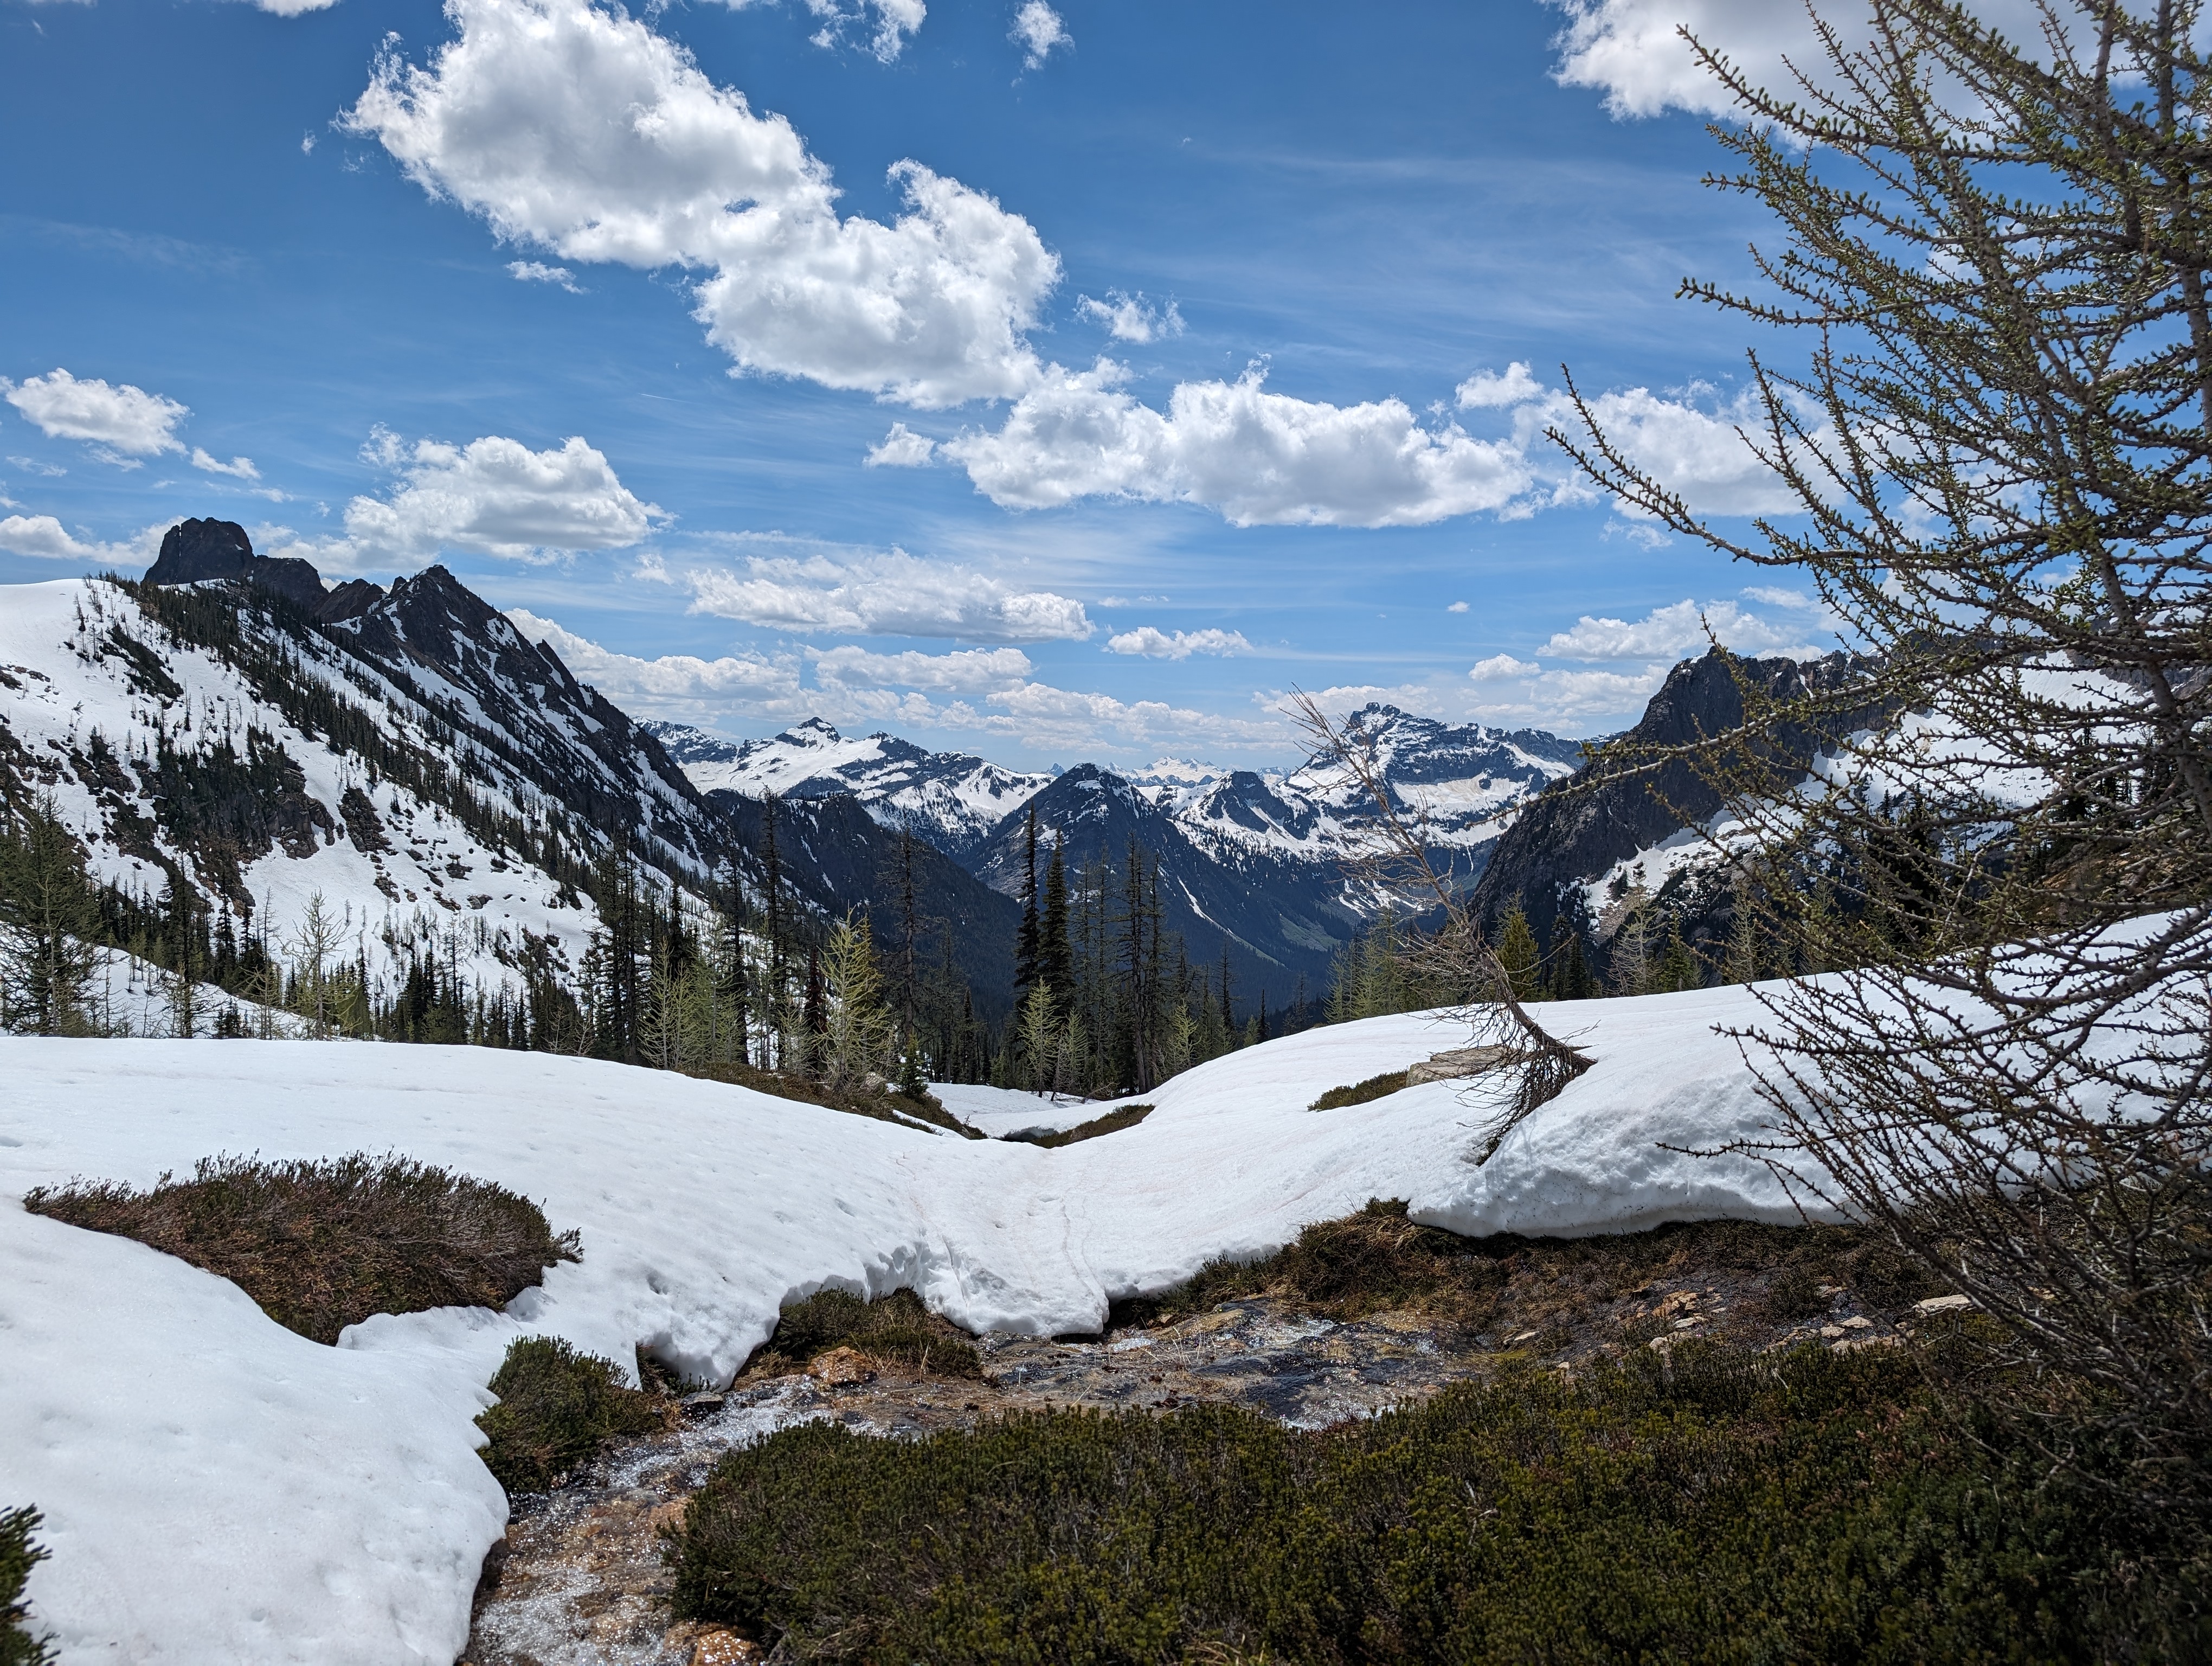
x=217 y=1488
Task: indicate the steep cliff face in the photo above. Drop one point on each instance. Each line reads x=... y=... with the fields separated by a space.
x=1580 y=830
x=198 y=551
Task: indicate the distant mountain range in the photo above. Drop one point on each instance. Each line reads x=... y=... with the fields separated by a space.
x=236 y=726
x=1250 y=864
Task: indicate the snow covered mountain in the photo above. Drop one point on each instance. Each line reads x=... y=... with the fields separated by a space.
x=1279 y=917
x=950 y=799
x=230 y=728
x=1251 y=864
x=1461 y=783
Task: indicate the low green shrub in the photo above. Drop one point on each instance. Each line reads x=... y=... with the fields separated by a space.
x=18 y=1556
x=1794 y=1294
x=1718 y=1508
x=323 y=1244
x=894 y=1327
x=556 y=1408
x=1375 y=1087
x=1112 y=1122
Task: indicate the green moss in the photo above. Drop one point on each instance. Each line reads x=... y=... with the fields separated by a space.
x=1375 y=1087
x=556 y=1409
x=1807 y=1507
x=18 y=1556
x=321 y=1245
x=1112 y=1122
x=894 y=1327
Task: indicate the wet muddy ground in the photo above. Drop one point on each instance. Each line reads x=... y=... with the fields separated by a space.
x=582 y=1581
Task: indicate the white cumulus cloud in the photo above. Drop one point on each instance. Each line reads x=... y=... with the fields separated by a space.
x=239 y=468
x=581 y=130
x=901 y=448
x=494 y=496
x=1677 y=631
x=965 y=670
x=1259 y=459
x=122 y=422
x=1038 y=29
x=1633 y=51
x=625 y=677
x=1075 y=722
x=536 y=271
x=1696 y=449
x=1131 y=318
x=45 y=537
x=887 y=594
x=885 y=26
x=1155 y=644
x=1499 y=668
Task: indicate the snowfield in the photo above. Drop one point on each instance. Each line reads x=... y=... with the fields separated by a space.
x=218 y=1489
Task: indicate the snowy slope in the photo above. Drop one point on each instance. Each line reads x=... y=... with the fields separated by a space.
x=239 y=762
x=950 y=799
x=218 y=1489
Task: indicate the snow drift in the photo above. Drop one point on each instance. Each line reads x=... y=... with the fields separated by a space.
x=218 y=1489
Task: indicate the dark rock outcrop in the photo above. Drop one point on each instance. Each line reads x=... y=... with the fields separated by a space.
x=195 y=551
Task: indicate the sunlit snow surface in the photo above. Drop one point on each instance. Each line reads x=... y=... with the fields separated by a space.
x=218 y=1489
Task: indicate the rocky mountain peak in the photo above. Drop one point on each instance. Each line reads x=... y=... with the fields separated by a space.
x=198 y=551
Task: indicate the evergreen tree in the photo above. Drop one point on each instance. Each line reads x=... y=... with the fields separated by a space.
x=1039 y=1039
x=1026 y=936
x=183 y=958
x=47 y=916
x=1743 y=954
x=859 y=1035
x=1677 y=968
x=1055 y=956
x=775 y=1001
x=1571 y=973
x=1630 y=960
x=813 y=1017
x=1517 y=954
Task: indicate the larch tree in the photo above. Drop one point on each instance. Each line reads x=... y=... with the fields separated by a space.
x=1990 y=396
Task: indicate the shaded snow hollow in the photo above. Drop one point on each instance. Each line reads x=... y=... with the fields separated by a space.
x=218 y=1489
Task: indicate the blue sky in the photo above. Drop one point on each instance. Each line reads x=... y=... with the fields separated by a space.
x=1100 y=372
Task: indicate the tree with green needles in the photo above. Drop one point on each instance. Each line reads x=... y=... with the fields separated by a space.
x=48 y=915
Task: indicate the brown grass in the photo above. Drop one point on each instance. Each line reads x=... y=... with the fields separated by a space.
x=1359 y=1093
x=324 y=1245
x=896 y=1327
x=1765 y=1277
x=893 y=1107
